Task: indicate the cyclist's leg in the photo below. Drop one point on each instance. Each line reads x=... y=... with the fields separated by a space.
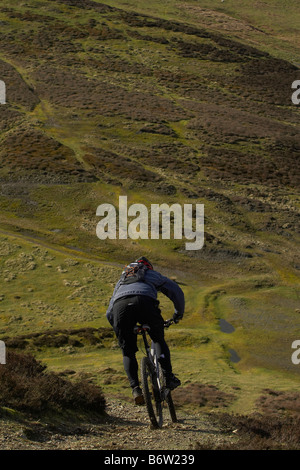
x=164 y=358
x=124 y=322
x=151 y=314
x=131 y=368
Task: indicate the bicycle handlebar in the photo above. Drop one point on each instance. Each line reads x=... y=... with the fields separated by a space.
x=168 y=323
x=138 y=329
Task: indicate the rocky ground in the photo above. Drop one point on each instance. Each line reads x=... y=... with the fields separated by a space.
x=126 y=427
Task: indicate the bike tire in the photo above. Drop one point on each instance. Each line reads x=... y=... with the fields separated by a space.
x=169 y=399
x=151 y=393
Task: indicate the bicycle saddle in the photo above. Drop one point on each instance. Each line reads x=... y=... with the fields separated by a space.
x=139 y=328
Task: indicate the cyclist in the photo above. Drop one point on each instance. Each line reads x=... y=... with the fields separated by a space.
x=135 y=300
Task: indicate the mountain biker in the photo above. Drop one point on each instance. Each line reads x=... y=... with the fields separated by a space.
x=135 y=300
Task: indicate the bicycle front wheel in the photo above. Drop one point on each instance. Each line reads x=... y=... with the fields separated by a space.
x=168 y=398
x=151 y=393
x=171 y=407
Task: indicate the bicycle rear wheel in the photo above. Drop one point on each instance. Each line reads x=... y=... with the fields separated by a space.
x=151 y=393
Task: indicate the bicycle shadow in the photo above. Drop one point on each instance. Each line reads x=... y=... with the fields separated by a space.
x=132 y=416
x=193 y=425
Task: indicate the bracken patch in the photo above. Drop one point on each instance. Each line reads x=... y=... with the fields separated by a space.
x=17 y=90
x=26 y=385
x=103 y=161
x=256 y=432
x=34 y=152
x=202 y=395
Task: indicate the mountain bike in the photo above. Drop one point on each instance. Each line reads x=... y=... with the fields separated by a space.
x=155 y=392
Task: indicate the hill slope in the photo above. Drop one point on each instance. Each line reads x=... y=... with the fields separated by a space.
x=160 y=104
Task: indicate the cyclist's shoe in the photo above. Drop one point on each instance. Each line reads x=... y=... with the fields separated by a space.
x=172 y=382
x=138 y=396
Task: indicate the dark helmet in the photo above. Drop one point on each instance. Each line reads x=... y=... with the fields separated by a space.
x=145 y=261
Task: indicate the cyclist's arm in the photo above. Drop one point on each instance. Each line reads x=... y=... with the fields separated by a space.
x=172 y=290
x=109 y=312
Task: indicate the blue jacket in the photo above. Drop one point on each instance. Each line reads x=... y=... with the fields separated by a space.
x=153 y=282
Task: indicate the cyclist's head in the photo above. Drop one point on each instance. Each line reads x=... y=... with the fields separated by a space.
x=145 y=261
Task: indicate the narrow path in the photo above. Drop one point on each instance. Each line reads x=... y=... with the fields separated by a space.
x=130 y=429
x=126 y=427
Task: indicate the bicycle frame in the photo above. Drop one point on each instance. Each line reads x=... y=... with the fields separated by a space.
x=155 y=391
x=153 y=380
x=150 y=350
x=151 y=354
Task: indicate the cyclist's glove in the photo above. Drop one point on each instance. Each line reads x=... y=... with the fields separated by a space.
x=177 y=317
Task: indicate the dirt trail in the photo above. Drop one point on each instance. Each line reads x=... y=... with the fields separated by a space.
x=126 y=427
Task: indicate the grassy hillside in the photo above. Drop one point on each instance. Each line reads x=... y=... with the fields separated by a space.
x=187 y=103
x=270 y=26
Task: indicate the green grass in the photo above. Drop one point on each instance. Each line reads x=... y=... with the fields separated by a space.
x=73 y=273
x=203 y=363
x=277 y=21
x=38 y=299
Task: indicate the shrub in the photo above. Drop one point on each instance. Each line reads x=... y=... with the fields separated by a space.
x=257 y=432
x=274 y=402
x=202 y=395
x=26 y=385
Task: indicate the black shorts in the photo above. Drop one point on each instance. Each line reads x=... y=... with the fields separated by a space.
x=127 y=312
